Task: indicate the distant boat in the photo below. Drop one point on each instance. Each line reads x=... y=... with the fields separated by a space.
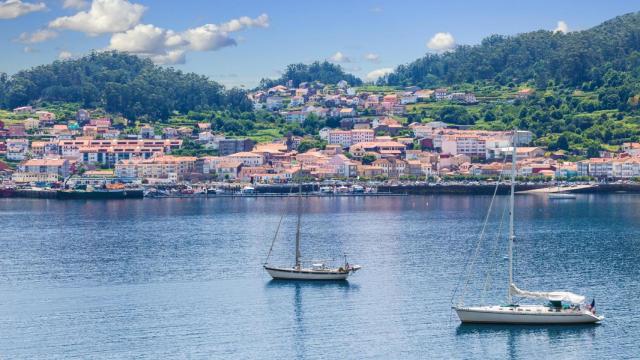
x=357 y=189
x=248 y=190
x=317 y=271
x=561 y=195
x=562 y=308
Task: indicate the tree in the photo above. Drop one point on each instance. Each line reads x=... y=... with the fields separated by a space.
x=368 y=159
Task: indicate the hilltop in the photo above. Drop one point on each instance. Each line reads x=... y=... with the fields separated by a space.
x=578 y=59
x=121 y=84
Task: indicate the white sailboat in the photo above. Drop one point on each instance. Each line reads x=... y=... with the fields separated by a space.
x=562 y=308
x=317 y=270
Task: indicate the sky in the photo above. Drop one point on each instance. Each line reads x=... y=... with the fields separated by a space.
x=239 y=42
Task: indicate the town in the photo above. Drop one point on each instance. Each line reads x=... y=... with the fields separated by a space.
x=371 y=141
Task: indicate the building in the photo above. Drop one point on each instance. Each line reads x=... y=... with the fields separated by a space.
x=391 y=167
x=173 y=168
x=23 y=110
x=440 y=94
x=17 y=149
x=274 y=103
x=470 y=145
x=247 y=158
x=347 y=138
x=297 y=116
x=19 y=177
x=16 y=130
x=232 y=146
x=82 y=117
x=147 y=132
x=60 y=167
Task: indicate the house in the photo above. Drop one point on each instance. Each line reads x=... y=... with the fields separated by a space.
x=31 y=124
x=16 y=130
x=17 y=149
x=297 y=101
x=391 y=167
x=423 y=95
x=441 y=94
x=370 y=171
x=274 y=103
x=408 y=98
x=295 y=117
x=147 y=132
x=247 y=158
x=342 y=166
x=347 y=112
x=46 y=116
x=228 y=169
x=23 y=110
x=169 y=133
x=83 y=116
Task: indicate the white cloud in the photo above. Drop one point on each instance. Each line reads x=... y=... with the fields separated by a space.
x=376 y=74
x=376 y=9
x=11 y=9
x=372 y=57
x=165 y=46
x=65 y=55
x=562 y=27
x=29 y=50
x=74 y=4
x=104 y=16
x=145 y=39
x=441 y=41
x=339 y=58
x=38 y=36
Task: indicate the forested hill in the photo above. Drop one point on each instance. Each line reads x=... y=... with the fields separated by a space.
x=119 y=83
x=324 y=72
x=580 y=58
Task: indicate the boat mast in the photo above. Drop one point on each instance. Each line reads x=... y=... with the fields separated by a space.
x=299 y=216
x=511 y=208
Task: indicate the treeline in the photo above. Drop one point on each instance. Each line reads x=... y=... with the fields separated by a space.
x=324 y=72
x=121 y=84
x=579 y=59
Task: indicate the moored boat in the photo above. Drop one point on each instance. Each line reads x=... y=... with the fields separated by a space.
x=562 y=307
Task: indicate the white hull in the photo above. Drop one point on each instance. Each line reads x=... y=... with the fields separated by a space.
x=526 y=314
x=306 y=274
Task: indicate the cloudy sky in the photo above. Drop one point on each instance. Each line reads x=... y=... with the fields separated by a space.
x=239 y=42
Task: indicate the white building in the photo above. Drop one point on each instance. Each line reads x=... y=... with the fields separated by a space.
x=247 y=158
x=17 y=149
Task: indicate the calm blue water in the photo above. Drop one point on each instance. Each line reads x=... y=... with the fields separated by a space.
x=166 y=278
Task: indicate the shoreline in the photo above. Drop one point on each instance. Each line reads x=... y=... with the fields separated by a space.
x=276 y=191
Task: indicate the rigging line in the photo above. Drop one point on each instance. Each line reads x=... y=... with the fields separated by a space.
x=472 y=258
x=275 y=236
x=266 y=261
x=494 y=256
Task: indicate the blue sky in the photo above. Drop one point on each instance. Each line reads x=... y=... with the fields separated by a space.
x=239 y=42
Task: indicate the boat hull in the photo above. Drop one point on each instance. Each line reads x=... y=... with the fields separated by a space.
x=524 y=315
x=306 y=274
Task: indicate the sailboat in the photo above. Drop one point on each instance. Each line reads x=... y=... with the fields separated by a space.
x=317 y=271
x=562 y=308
